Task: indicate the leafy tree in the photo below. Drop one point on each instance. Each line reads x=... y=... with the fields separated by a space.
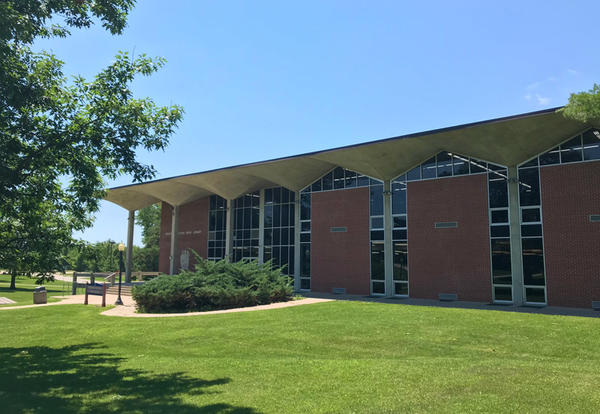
x=145 y=259
x=149 y=219
x=93 y=257
x=35 y=241
x=584 y=106
x=59 y=137
x=80 y=265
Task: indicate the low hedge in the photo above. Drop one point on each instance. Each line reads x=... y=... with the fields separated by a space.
x=214 y=285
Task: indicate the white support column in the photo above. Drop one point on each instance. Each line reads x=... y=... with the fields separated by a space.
x=515 y=235
x=297 y=241
x=129 y=257
x=174 y=237
x=388 y=256
x=229 y=231
x=261 y=228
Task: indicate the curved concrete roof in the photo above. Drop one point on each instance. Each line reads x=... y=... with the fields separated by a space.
x=506 y=141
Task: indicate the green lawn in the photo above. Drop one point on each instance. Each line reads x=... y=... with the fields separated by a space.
x=329 y=357
x=23 y=294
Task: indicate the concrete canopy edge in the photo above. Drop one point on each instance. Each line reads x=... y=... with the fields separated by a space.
x=506 y=141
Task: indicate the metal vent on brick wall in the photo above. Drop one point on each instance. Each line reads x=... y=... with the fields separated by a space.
x=339 y=291
x=338 y=229
x=448 y=297
x=595 y=218
x=446 y=225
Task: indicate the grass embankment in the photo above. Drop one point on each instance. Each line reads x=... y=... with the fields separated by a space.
x=23 y=294
x=329 y=357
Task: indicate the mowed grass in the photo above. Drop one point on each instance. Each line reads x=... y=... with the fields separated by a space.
x=341 y=357
x=23 y=294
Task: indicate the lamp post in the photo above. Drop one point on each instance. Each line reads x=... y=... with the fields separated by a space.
x=121 y=248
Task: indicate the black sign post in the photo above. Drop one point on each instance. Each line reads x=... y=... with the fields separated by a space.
x=95 y=289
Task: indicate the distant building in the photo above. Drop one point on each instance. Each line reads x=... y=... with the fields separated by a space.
x=505 y=211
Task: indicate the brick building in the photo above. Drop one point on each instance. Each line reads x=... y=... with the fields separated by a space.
x=504 y=211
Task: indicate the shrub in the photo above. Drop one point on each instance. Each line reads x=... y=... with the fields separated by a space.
x=214 y=285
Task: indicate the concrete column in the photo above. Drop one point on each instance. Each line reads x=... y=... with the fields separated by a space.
x=261 y=228
x=129 y=257
x=297 y=241
x=387 y=238
x=229 y=231
x=515 y=235
x=174 y=237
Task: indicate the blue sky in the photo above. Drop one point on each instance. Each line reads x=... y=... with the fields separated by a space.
x=263 y=79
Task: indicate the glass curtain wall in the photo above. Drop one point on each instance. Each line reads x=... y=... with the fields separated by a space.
x=377 y=237
x=532 y=238
x=580 y=148
x=279 y=228
x=246 y=217
x=499 y=216
x=399 y=236
x=305 y=201
x=217 y=227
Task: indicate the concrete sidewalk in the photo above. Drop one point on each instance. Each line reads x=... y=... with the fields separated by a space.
x=129 y=311
x=128 y=307
x=78 y=300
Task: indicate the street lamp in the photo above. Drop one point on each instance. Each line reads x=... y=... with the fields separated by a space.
x=121 y=247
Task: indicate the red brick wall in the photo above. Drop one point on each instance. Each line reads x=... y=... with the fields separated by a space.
x=453 y=260
x=193 y=232
x=570 y=193
x=340 y=259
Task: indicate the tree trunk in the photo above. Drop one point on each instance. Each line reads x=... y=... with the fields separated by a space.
x=13 y=279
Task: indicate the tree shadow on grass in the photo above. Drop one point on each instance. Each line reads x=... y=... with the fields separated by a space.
x=19 y=289
x=83 y=378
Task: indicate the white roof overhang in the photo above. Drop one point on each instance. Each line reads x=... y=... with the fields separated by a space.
x=506 y=141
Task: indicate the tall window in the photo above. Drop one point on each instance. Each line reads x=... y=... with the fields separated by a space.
x=532 y=241
x=217 y=225
x=377 y=237
x=246 y=214
x=279 y=228
x=305 y=206
x=399 y=236
x=499 y=233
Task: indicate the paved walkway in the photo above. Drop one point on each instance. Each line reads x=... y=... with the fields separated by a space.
x=77 y=300
x=58 y=276
x=129 y=311
x=81 y=279
x=128 y=307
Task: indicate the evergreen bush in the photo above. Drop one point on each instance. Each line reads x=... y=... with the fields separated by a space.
x=214 y=285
